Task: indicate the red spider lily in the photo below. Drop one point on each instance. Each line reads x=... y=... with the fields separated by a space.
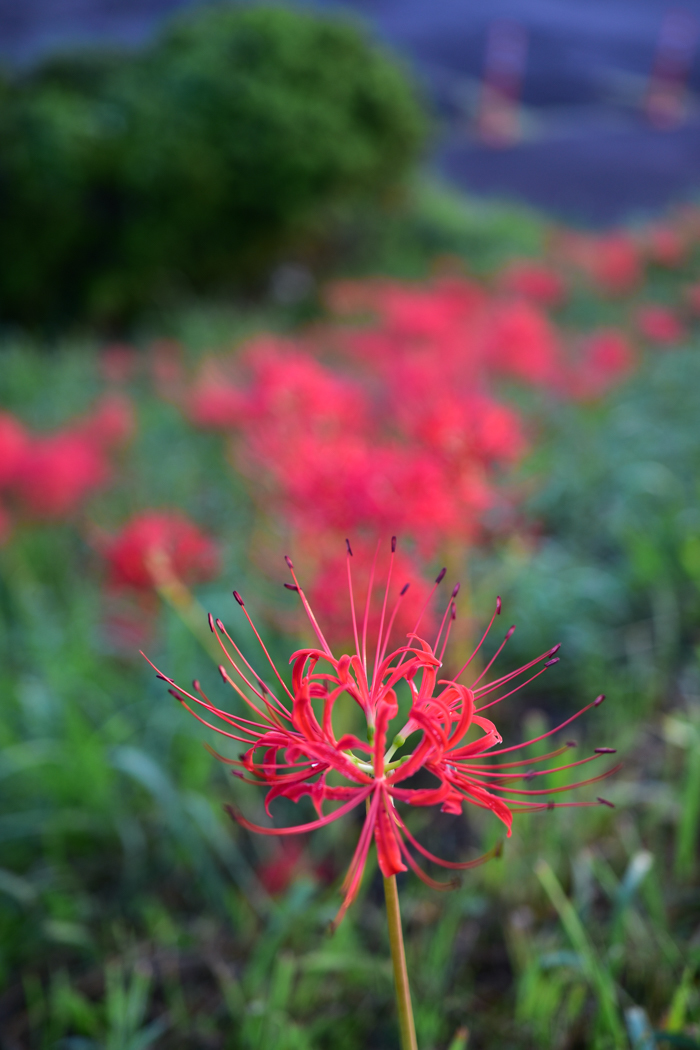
x=660 y=325
x=118 y=363
x=533 y=280
x=132 y=554
x=521 y=342
x=691 y=294
x=612 y=261
x=608 y=358
x=14 y=442
x=666 y=247
x=110 y=424
x=292 y=747
x=58 y=472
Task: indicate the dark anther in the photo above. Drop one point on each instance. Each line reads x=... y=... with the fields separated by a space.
x=220 y=623
x=291 y=586
x=509 y=633
x=599 y=700
x=554 y=660
x=393 y=544
x=455 y=590
x=404 y=589
x=550 y=805
x=288 y=561
x=498 y=606
x=440 y=576
x=195 y=684
x=571 y=743
x=238 y=598
x=605 y=750
x=605 y=802
x=347 y=544
x=211 y=622
x=554 y=649
x=222 y=672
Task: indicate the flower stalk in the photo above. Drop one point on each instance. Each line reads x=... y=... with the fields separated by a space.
x=407 y=1026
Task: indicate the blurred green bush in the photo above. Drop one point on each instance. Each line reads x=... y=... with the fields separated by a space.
x=240 y=135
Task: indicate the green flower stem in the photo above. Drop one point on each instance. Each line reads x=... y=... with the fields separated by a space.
x=175 y=594
x=398 y=957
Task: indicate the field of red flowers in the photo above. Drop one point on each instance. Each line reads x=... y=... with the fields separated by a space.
x=529 y=427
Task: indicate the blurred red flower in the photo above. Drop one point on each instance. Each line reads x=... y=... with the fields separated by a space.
x=666 y=247
x=118 y=363
x=533 y=280
x=58 y=471
x=110 y=424
x=521 y=342
x=612 y=261
x=659 y=324
x=607 y=357
x=692 y=297
x=14 y=443
x=292 y=747
x=134 y=554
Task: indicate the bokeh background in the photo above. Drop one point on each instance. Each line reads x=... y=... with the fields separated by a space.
x=275 y=275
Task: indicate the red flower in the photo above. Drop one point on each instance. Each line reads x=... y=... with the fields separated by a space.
x=292 y=747
x=58 y=472
x=666 y=247
x=612 y=261
x=521 y=342
x=110 y=424
x=133 y=555
x=608 y=358
x=659 y=324
x=118 y=363
x=14 y=442
x=535 y=281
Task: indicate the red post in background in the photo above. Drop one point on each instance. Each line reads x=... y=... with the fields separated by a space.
x=667 y=93
x=498 y=117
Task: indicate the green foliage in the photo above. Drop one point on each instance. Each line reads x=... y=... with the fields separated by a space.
x=193 y=164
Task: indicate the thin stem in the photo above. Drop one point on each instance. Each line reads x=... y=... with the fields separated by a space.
x=398 y=957
x=183 y=603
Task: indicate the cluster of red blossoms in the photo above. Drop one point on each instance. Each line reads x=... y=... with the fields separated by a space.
x=47 y=477
x=394 y=413
x=157 y=544
x=293 y=750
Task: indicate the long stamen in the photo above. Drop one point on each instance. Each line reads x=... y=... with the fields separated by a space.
x=402 y=594
x=516 y=690
x=455 y=592
x=488 y=687
x=386 y=598
x=271 y=662
x=352 y=598
x=509 y=634
x=453 y=617
x=526 y=761
x=365 y=622
x=517 y=747
x=549 y=791
x=275 y=710
x=438 y=580
x=497 y=612
x=307 y=609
